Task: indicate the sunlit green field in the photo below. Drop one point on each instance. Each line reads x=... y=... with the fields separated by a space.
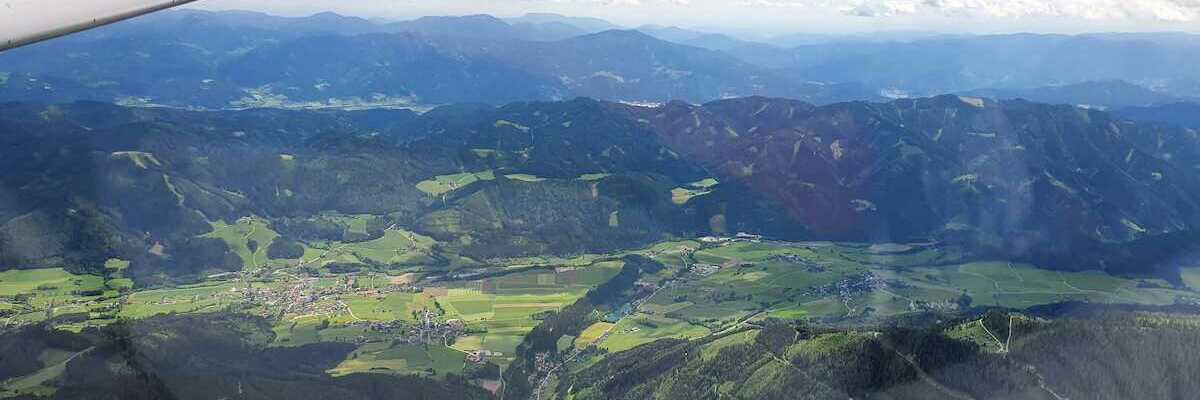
x=34 y=295
x=525 y=178
x=640 y=329
x=402 y=359
x=500 y=310
x=239 y=236
x=50 y=282
x=394 y=248
x=443 y=184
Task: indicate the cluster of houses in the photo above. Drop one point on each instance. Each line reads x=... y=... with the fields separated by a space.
x=428 y=329
x=740 y=237
x=481 y=356
x=849 y=288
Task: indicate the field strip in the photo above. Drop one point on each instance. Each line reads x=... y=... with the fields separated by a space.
x=526 y=305
x=1068 y=284
x=1111 y=294
x=976 y=274
x=514 y=329
x=895 y=294
x=1019 y=277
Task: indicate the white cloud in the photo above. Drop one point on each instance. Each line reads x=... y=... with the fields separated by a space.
x=1160 y=10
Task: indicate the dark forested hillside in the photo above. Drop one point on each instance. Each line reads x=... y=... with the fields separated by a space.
x=1110 y=356
x=1015 y=176
x=1062 y=186
x=205 y=357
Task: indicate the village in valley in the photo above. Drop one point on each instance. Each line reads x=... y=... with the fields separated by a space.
x=421 y=321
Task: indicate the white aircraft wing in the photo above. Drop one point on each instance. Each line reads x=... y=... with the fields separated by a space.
x=24 y=22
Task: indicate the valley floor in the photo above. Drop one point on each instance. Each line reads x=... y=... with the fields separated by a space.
x=431 y=323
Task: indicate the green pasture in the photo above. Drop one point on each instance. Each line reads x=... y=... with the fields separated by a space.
x=443 y=184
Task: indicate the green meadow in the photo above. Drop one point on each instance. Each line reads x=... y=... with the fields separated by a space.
x=801 y=281
x=443 y=184
x=239 y=236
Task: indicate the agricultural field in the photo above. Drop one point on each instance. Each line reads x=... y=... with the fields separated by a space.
x=593 y=333
x=706 y=288
x=443 y=184
x=38 y=294
x=497 y=312
x=401 y=359
x=210 y=297
x=644 y=328
x=1020 y=285
x=725 y=285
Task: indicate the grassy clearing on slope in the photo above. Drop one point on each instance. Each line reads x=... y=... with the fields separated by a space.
x=1191 y=277
x=401 y=359
x=681 y=196
x=141 y=159
x=396 y=247
x=34 y=295
x=46 y=282
x=593 y=177
x=525 y=178
x=974 y=332
x=641 y=329
x=239 y=235
x=706 y=183
x=443 y=184
x=39 y=383
x=593 y=332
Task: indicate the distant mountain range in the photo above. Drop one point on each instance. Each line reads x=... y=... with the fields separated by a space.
x=243 y=60
x=1184 y=114
x=1103 y=94
x=1001 y=61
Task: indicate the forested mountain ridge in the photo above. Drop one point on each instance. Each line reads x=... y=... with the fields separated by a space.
x=1043 y=360
x=1057 y=185
x=1014 y=172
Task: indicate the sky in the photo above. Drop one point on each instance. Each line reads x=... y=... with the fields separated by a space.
x=780 y=16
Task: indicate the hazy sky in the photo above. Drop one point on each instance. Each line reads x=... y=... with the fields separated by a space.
x=793 y=15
